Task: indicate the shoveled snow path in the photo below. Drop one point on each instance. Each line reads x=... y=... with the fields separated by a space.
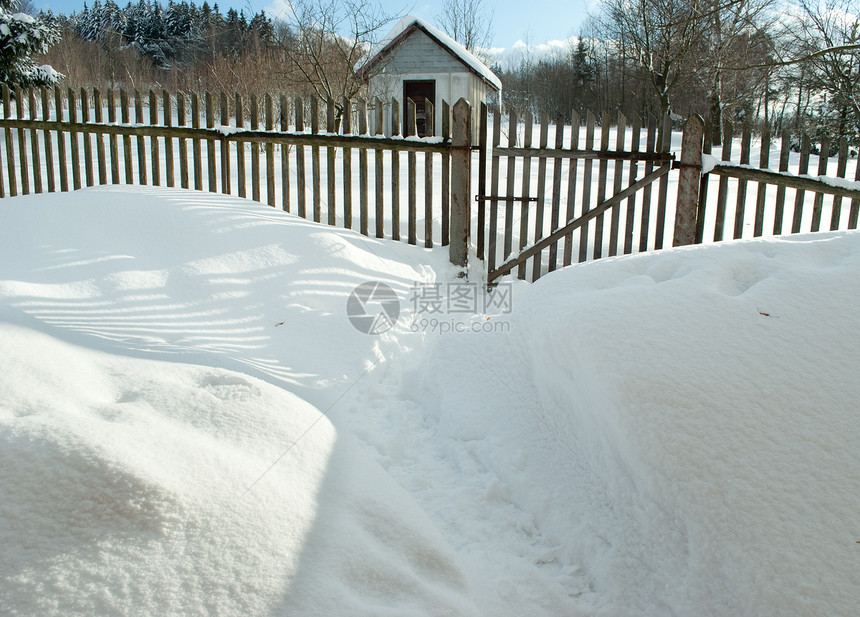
x=455 y=441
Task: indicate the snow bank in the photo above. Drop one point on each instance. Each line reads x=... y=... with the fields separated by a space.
x=140 y=487
x=190 y=424
x=203 y=278
x=132 y=485
x=711 y=391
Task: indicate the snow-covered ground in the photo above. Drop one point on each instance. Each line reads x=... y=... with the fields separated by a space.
x=191 y=424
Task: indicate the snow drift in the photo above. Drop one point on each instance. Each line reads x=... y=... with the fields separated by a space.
x=190 y=424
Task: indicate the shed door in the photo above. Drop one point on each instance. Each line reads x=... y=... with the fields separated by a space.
x=419 y=91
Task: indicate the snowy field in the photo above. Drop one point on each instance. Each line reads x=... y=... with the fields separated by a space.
x=191 y=425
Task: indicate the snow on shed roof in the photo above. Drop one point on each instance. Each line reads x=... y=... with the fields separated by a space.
x=409 y=23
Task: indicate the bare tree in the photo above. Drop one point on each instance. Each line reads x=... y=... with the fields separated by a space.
x=469 y=22
x=663 y=36
x=323 y=42
x=735 y=33
x=829 y=40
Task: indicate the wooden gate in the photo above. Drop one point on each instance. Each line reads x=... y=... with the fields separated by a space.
x=550 y=206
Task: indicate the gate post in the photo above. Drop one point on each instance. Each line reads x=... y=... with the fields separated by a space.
x=461 y=183
x=687 y=203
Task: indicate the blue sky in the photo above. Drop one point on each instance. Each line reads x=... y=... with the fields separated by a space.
x=513 y=20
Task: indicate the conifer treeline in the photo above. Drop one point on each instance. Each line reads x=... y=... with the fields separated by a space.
x=179 y=46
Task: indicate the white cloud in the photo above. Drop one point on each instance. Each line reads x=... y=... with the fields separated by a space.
x=281 y=9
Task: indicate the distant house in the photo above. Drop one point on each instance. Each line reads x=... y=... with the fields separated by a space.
x=420 y=62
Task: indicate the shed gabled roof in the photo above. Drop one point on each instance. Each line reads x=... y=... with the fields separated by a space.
x=409 y=24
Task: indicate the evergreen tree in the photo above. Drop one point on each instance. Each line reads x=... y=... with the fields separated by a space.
x=21 y=36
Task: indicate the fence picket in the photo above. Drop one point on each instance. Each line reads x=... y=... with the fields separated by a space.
x=22 y=144
x=300 y=159
x=764 y=158
x=85 y=135
x=665 y=139
x=239 y=111
x=823 y=157
x=315 y=160
x=803 y=168
x=541 y=192
x=154 y=149
x=112 y=139
x=410 y=130
x=380 y=213
x=446 y=172
x=100 y=144
x=141 y=140
x=255 y=150
x=483 y=113
x=49 y=145
x=226 y=180
x=740 y=206
x=34 y=146
x=10 y=149
x=347 y=165
x=841 y=168
x=779 y=212
x=650 y=146
x=61 y=140
x=167 y=118
x=571 y=188
x=586 y=186
x=630 y=218
x=703 y=185
x=195 y=143
x=362 y=171
x=528 y=127
x=285 y=156
x=270 y=152
x=616 y=185
x=494 y=188
x=601 y=185
x=555 y=212
x=722 y=195
x=395 y=172
x=183 y=145
x=211 y=171
x=331 y=152
x=126 y=139
x=73 y=140
x=428 y=172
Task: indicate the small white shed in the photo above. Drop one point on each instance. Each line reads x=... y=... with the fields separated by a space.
x=418 y=61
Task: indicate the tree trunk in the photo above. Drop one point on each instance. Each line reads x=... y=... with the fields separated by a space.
x=717 y=110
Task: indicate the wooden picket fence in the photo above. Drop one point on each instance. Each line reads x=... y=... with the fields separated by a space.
x=548 y=239
x=805 y=216
x=304 y=155
x=169 y=140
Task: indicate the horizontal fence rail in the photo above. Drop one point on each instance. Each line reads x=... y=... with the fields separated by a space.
x=335 y=163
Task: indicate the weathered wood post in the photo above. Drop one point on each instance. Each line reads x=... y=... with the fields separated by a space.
x=688 y=182
x=461 y=179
